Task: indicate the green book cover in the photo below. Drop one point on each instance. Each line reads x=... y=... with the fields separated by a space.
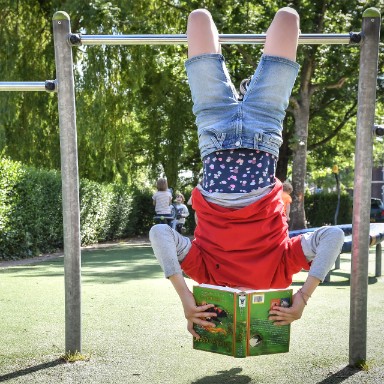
x=242 y=327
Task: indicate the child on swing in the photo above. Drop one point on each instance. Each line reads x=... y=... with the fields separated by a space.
x=241 y=238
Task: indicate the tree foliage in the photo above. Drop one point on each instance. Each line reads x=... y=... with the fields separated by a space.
x=133 y=104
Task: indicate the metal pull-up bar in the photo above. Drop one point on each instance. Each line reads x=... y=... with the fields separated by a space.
x=48 y=86
x=315 y=38
x=77 y=39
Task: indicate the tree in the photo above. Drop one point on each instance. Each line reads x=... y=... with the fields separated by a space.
x=26 y=53
x=134 y=115
x=327 y=89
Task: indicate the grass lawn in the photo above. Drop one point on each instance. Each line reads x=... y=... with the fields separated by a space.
x=134 y=330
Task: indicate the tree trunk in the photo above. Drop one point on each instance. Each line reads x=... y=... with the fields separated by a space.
x=301 y=112
x=285 y=154
x=299 y=165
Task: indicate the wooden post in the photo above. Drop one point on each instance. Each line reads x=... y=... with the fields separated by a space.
x=70 y=181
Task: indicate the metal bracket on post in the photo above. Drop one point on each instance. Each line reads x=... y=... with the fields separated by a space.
x=74 y=39
x=355 y=38
x=378 y=130
x=50 y=85
x=70 y=181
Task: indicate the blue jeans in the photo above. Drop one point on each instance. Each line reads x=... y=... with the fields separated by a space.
x=225 y=122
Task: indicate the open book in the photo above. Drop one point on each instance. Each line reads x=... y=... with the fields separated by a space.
x=242 y=325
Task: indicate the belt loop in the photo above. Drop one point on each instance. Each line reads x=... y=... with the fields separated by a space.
x=256 y=140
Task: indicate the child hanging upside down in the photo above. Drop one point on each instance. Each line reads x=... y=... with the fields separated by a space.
x=241 y=238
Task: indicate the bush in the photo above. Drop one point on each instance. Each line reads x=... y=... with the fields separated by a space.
x=320 y=209
x=30 y=211
x=95 y=202
x=118 y=213
x=31 y=220
x=141 y=213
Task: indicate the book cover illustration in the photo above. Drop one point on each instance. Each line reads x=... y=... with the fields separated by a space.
x=242 y=327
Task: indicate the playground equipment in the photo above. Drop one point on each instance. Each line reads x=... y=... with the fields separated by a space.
x=172 y=220
x=376 y=237
x=64 y=86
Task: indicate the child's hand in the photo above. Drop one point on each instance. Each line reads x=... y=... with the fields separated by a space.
x=285 y=316
x=197 y=314
x=193 y=313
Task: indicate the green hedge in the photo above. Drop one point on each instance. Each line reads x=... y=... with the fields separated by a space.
x=30 y=211
x=31 y=219
x=320 y=209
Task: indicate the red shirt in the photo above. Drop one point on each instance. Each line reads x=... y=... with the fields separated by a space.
x=247 y=247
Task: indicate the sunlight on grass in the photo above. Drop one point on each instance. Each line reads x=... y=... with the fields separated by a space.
x=130 y=313
x=70 y=357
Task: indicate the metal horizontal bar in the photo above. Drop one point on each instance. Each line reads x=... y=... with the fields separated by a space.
x=78 y=39
x=49 y=86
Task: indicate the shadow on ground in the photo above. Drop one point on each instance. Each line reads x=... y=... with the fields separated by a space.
x=29 y=370
x=228 y=377
x=124 y=263
x=234 y=376
x=340 y=376
x=107 y=266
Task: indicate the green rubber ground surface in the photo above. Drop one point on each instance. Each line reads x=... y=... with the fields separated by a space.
x=134 y=330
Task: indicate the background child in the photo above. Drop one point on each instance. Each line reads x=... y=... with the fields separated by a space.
x=287 y=199
x=162 y=199
x=182 y=210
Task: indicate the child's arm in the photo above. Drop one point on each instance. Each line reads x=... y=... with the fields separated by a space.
x=284 y=316
x=193 y=313
x=185 y=211
x=321 y=248
x=288 y=210
x=168 y=247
